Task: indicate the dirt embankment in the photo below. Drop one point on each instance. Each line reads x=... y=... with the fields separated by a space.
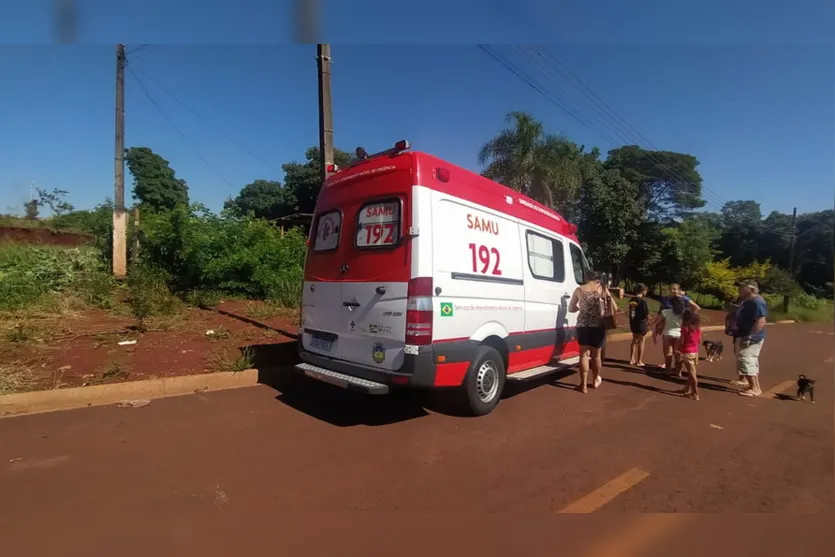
x=43 y=236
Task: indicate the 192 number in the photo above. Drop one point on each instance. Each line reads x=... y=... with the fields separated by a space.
x=485 y=256
x=374 y=233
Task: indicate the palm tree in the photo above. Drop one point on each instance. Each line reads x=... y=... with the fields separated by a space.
x=523 y=157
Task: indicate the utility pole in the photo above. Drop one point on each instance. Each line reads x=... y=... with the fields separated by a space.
x=325 y=109
x=791 y=257
x=120 y=216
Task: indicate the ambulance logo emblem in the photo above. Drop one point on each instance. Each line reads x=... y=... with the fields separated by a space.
x=378 y=353
x=447 y=309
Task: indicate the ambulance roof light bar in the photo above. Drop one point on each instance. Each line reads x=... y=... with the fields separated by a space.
x=362 y=155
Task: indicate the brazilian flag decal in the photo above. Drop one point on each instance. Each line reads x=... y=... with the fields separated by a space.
x=446 y=309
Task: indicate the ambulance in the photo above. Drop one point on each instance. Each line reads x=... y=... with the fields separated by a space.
x=421 y=274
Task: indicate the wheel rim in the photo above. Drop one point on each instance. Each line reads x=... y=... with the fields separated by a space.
x=487 y=382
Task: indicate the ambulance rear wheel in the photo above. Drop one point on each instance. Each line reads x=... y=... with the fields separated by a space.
x=484 y=382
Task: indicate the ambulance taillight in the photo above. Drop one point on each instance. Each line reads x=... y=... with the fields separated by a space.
x=419 y=312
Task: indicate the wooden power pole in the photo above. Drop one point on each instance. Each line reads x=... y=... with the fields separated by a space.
x=791 y=258
x=325 y=109
x=120 y=217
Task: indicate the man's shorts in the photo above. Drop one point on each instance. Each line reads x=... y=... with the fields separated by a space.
x=747 y=357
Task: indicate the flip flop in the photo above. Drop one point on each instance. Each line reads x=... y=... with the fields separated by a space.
x=748 y=393
x=598 y=381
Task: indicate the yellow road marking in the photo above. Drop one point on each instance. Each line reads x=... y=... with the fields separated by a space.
x=607 y=492
x=637 y=536
x=779 y=388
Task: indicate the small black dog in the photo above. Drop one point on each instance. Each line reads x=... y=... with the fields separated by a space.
x=805 y=386
x=714 y=350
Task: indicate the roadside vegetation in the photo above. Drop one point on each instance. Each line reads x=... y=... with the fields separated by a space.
x=640 y=214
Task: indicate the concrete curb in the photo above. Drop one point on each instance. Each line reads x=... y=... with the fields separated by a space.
x=38 y=402
x=101 y=395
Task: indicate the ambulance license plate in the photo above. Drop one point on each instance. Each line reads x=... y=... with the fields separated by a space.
x=321 y=343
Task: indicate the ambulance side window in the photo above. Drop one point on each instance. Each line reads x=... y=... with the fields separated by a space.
x=546 y=258
x=328 y=227
x=578 y=262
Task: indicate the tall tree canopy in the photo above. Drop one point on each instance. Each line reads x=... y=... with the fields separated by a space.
x=264 y=199
x=303 y=181
x=544 y=166
x=155 y=185
x=668 y=183
x=608 y=214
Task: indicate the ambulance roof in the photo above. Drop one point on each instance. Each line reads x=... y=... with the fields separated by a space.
x=440 y=175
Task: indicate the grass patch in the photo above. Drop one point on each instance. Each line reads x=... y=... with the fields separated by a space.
x=221 y=361
x=45 y=277
x=112 y=372
x=203 y=299
x=218 y=333
x=823 y=314
x=15 y=378
x=149 y=295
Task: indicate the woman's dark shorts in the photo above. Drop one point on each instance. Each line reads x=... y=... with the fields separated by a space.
x=591 y=336
x=640 y=329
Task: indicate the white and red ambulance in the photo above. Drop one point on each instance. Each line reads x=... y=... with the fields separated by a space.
x=423 y=274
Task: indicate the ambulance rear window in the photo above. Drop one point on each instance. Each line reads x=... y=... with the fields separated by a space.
x=327 y=231
x=378 y=224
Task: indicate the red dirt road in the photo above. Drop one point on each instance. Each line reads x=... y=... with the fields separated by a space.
x=210 y=473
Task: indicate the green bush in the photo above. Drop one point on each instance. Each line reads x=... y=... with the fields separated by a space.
x=148 y=293
x=28 y=274
x=245 y=256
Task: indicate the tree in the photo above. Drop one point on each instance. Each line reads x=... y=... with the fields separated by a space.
x=668 y=183
x=686 y=249
x=55 y=201
x=544 y=166
x=32 y=210
x=302 y=182
x=263 y=199
x=608 y=215
x=155 y=183
x=815 y=261
x=741 y=231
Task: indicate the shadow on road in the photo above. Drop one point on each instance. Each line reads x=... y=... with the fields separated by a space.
x=658 y=373
x=254 y=323
x=336 y=406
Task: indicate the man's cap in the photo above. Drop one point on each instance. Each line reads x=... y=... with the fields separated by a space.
x=749 y=283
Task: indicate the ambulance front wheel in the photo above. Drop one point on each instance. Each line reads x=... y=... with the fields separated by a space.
x=484 y=382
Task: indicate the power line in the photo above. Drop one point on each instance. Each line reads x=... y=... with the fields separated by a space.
x=139 y=49
x=606 y=115
x=205 y=120
x=516 y=71
x=177 y=129
x=608 y=110
x=625 y=131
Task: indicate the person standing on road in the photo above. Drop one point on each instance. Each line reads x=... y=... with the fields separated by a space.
x=731 y=308
x=588 y=299
x=691 y=339
x=666 y=302
x=638 y=324
x=750 y=335
x=669 y=326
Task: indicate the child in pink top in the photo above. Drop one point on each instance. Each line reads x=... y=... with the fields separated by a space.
x=691 y=339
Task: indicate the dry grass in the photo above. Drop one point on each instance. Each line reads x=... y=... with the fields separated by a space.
x=268 y=310
x=222 y=361
x=15 y=377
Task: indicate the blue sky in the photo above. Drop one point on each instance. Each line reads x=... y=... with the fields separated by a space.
x=755 y=103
